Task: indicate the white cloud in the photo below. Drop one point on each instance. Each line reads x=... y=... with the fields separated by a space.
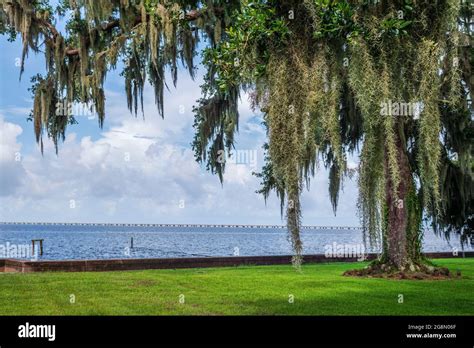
x=12 y=171
x=144 y=171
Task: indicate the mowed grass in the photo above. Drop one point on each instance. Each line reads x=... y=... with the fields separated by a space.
x=319 y=289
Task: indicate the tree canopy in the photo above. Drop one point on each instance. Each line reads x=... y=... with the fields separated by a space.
x=390 y=81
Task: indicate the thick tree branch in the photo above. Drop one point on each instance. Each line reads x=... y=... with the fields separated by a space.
x=72 y=51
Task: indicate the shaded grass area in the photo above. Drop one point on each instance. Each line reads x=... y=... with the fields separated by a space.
x=319 y=289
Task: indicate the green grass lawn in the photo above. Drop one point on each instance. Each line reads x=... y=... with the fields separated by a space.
x=320 y=289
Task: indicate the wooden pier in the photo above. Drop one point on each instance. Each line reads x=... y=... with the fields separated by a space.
x=33 y=242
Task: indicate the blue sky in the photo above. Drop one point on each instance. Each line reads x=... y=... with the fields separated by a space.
x=135 y=170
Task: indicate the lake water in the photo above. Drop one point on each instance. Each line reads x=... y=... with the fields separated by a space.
x=109 y=242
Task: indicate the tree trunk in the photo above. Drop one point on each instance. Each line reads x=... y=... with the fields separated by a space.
x=397 y=210
x=401 y=255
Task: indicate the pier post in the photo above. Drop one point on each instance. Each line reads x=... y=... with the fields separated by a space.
x=33 y=242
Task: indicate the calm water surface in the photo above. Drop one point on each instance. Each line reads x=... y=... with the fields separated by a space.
x=108 y=242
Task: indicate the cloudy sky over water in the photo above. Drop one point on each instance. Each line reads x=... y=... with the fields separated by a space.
x=136 y=170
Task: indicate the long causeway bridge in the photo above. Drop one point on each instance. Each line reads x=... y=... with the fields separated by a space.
x=177 y=225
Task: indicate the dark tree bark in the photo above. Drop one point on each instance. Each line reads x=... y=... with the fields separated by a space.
x=397 y=209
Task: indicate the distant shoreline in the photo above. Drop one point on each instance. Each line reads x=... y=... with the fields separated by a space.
x=105 y=224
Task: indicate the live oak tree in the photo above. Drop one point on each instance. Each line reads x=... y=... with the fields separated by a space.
x=390 y=81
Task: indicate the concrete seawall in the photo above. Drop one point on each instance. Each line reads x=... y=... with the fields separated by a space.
x=25 y=266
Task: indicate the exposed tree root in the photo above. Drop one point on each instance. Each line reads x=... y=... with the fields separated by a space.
x=412 y=271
